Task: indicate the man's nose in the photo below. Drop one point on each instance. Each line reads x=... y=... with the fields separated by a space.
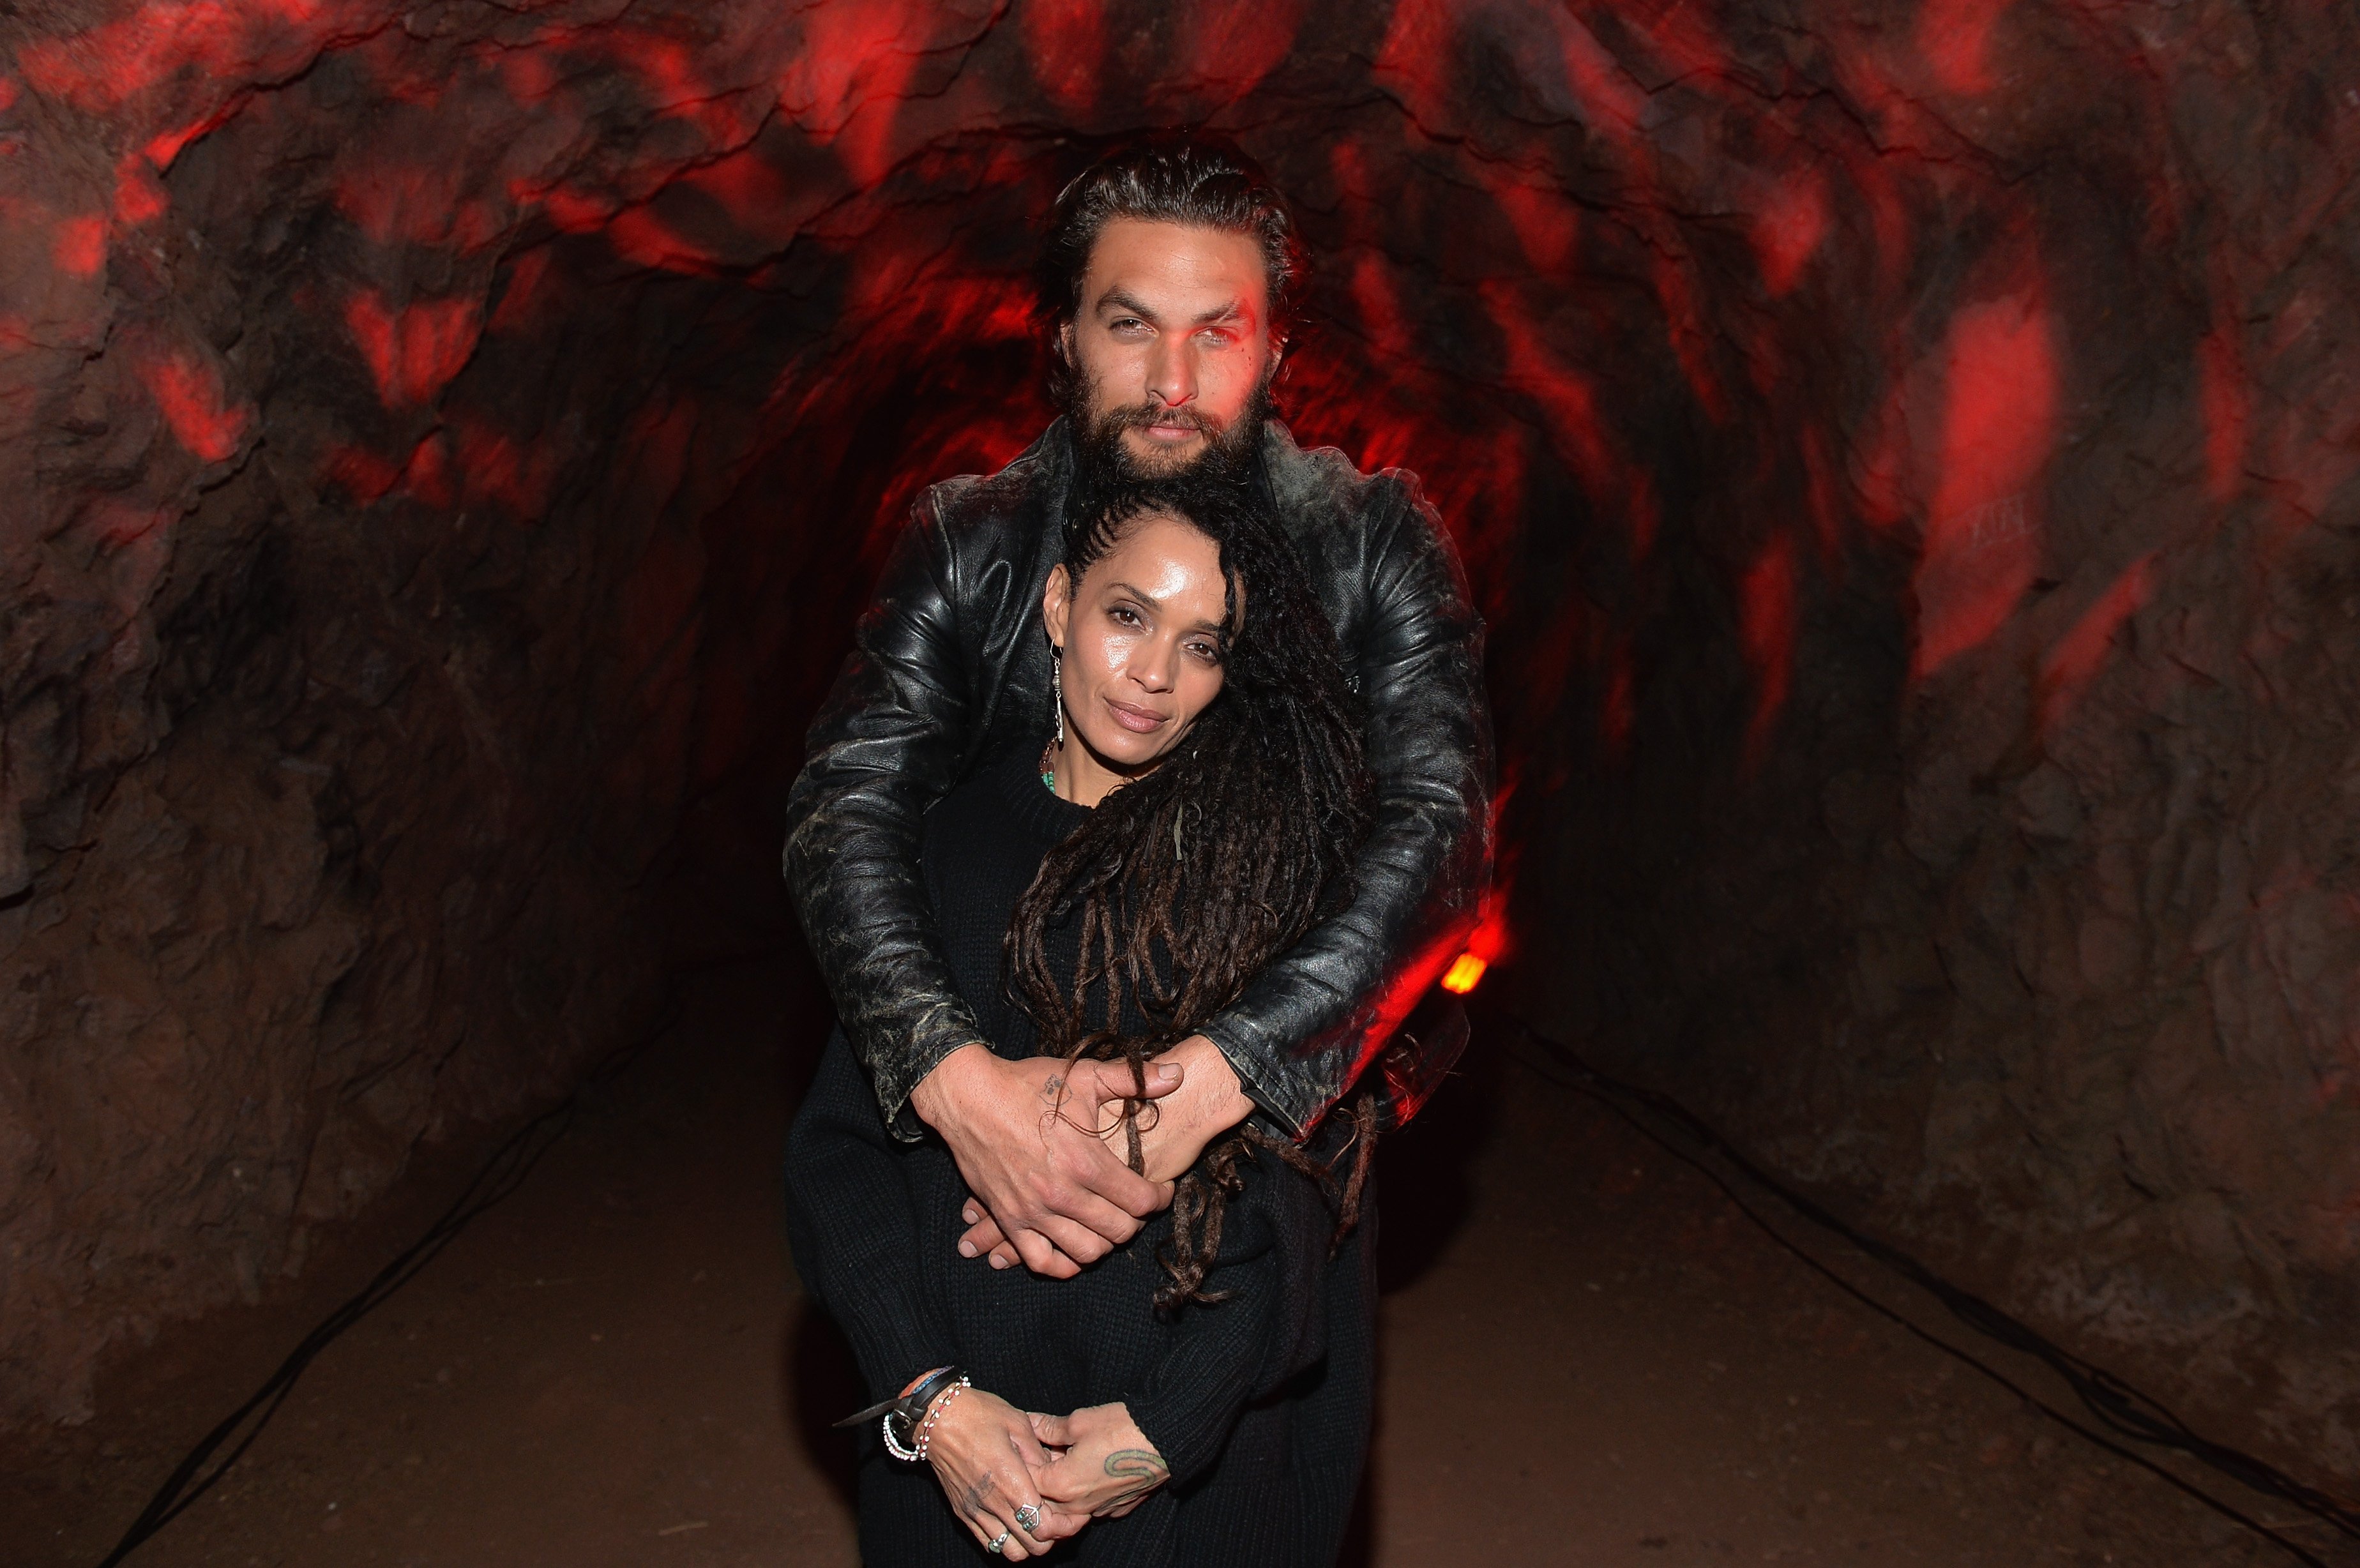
x=1171 y=373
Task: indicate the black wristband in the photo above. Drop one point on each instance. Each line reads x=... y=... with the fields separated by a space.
x=908 y=1408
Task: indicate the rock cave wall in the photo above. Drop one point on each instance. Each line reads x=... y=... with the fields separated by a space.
x=1904 y=453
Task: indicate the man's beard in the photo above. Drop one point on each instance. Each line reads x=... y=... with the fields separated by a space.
x=1104 y=466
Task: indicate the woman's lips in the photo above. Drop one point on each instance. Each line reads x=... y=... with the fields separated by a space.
x=1139 y=721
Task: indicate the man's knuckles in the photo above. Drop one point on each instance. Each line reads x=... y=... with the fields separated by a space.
x=1078 y=1160
x=1045 y=1194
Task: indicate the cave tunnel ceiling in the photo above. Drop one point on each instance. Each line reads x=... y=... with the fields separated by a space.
x=1903 y=453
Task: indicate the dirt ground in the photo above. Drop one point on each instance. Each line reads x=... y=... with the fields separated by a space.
x=1588 y=1359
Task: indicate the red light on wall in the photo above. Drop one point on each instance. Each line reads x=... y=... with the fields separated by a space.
x=1464 y=971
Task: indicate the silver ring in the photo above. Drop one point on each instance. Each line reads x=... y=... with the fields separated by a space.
x=1028 y=1518
x=998 y=1543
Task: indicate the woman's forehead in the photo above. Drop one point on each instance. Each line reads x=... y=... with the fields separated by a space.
x=1164 y=558
x=1161 y=537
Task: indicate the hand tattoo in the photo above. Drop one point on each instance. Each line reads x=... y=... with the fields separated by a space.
x=1143 y=1467
x=1052 y=1104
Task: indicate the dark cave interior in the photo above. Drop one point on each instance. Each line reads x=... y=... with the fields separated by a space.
x=1904 y=454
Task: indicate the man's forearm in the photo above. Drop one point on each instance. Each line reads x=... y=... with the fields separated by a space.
x=1310 y=1021
x=895 y=995
x=885 y=746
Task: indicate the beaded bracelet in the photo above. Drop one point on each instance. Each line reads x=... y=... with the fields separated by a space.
x=894 y=1444
x=926 y=1429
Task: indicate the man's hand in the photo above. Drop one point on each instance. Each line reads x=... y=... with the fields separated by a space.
x=1103 y=1464
x=1022 y=1133
x=1207 y=1103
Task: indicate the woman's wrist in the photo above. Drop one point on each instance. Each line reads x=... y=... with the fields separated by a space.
x=936 y=1407
x=913 y=1410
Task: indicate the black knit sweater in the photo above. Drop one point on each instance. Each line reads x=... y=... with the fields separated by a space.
x=874 y=1224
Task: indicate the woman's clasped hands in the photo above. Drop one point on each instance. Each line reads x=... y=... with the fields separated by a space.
x=1101 y=1463
x=1025 y=1480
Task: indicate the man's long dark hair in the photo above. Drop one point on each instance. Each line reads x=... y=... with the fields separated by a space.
x=1188 y=880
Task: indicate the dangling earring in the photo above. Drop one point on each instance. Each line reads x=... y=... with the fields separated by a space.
x=1057 y=691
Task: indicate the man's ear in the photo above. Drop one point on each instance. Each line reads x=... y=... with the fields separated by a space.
x=1066 y=342
x=1057 y=604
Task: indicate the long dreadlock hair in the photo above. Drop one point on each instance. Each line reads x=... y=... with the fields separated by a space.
x=1189 y=878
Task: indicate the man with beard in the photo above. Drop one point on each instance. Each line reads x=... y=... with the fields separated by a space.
x=1165 y=278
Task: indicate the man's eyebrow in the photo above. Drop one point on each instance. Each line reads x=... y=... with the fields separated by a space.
x=1116 y=299
x=1234 y=310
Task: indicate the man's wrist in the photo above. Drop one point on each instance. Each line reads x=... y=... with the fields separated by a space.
x=935 y=1095
x=1249 y=1057
x=1219 y=1089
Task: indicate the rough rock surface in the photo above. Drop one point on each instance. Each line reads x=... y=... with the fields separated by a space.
x=1980 y=845
x=1904 y=452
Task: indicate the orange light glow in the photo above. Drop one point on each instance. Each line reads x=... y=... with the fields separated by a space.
x=1464 y=972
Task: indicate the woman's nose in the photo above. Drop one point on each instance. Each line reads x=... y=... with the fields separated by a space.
x=1152 y=664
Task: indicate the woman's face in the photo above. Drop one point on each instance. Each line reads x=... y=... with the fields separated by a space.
x=1141 y=638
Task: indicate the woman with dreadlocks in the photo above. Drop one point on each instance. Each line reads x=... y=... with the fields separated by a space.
x=1190 y=806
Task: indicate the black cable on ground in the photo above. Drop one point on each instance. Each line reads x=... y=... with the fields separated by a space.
x=2131 y=1415
x=501 y=1175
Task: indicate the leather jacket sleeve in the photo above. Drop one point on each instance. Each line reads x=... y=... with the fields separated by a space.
x=1309 y=1024
x=890 y=741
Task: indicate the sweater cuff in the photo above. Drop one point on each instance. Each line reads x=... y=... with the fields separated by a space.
x=1189 y=1440
x=1193 y=1407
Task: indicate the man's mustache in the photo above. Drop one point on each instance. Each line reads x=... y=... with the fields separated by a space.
x=1141 y=416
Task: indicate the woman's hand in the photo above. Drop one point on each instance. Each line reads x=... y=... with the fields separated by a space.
x=989 y=1463
x=1107 y=1465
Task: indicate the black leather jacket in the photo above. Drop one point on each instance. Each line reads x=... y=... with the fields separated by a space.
x=951 y=661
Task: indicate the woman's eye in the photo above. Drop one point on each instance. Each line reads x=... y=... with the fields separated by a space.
x=1124 y=615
